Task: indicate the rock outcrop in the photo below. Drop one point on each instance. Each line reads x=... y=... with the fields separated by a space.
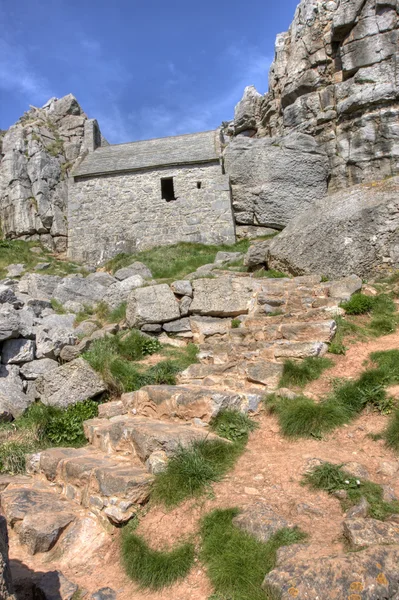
x=335 y=77
x=354 y=231
x=36 y=157
x=6 y=591
x=274 y=179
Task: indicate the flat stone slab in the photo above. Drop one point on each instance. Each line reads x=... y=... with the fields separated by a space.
x=372 y=574
x=369 y=532
x=165 y=401
x=261 y=521
x=19 y=502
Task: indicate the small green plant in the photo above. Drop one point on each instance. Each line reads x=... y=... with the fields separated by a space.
x=359 y=304
x=40 y=427
x=235 y=323
x=192 y=470
x=275 y=313
x=332 y=478
x=155 y=569
x=233 y=426
x=236 y=562
x=57 y=307
x=301 y=373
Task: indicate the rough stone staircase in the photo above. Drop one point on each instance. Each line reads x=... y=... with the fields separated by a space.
x=133 y=437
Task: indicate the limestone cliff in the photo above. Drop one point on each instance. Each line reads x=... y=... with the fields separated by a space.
x=336 y=77
x=36 y=157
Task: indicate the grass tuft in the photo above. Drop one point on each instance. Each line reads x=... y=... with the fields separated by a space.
x=332 y=478
x=236 y=562
x=192 y=470
x=155 y=569
x=359 y=304
x=301 y=373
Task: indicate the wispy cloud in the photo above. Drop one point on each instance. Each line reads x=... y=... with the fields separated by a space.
x=17 y=75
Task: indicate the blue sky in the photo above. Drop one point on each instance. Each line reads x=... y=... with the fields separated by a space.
x=142 y=69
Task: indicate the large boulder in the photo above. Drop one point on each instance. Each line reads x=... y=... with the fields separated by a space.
x=352 y=231
x=153 y=304
x=221 y=297
x=247 y=111
x=78 y=289
x=274 y=179
x=69 y=384
x=13 y=401
x=372 y=574
x=6 y=590
x=118 y=292
x=40 y=287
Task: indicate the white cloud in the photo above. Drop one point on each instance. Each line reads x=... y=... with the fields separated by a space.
x=17 y=75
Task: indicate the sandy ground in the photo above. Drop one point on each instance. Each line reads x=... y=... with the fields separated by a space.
x=269 y=471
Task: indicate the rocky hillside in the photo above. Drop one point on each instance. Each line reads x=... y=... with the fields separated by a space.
x=335 y=77
x=36 y=156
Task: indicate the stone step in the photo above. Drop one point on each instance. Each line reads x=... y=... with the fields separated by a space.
x=140 y=437
x=227 y=353
x=320 y=331
x=111 y=487
x=186 y=403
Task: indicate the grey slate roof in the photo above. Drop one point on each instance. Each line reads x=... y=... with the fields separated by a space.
x=193 y=148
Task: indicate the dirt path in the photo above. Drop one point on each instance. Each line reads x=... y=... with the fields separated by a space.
x=352 y=364
x=269 y=471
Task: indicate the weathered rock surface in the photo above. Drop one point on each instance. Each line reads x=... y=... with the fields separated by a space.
x=6 y=589
x=136 y=268
x=38 y=153
x=119 y=292
x=362 y=532
x=260 y=521
x=273 y=180
x=335 y=78
x=221 y=297
x=354 y=231
x=17 y=351
x=153 y=304
x=69 y=384
x=372 y=574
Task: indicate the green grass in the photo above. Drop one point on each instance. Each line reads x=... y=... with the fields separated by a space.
x=41 y=427
x=301 y=373
x=18 y=251
x=57 y=307
x=176 y=261
x=235 y=323
x=391 y=434
x=332 y=478
x=155 y=569
x=118 y=358
x=384 y=320
x=236 y=562
x=359 y=304
x=191 y=471
x=303 y=417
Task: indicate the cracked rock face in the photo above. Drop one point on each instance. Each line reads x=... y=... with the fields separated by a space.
x=335 y=77
x=36 y=157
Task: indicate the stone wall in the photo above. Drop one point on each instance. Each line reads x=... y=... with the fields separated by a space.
x=336 y=78
x=126 y=213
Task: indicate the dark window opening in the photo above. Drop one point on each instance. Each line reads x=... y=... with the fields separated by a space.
x=168 y=189
x=199 y=185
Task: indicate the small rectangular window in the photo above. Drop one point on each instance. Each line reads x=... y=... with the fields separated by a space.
x=199 y=185
x=168 y=189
